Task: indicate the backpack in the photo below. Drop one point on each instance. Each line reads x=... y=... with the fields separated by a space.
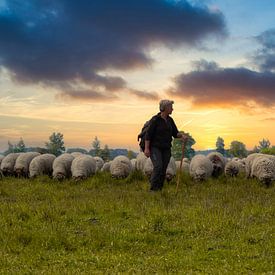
x=142 y=134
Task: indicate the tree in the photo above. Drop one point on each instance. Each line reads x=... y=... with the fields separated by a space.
x=269 y=151
x=56 y=144
x=177 y=148
x=238 y=149
x=96 y=146
x=220 y=146
x=20 y=146
x=265 y=143
x=105 y=153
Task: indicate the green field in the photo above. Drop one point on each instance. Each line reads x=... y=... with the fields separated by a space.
x=103 y=225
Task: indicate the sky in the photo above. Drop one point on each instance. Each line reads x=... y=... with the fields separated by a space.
x=99 y=68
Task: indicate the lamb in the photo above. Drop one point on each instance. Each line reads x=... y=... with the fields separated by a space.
x=251 y=158
x=141 y=159
x=232 y=168
x=120 y=167
x=62 y=166
x=41 y=165
x=263 y=168
x=201 y=168
x=82 y=167
x=99 y=163
x=218 y=162
x=171 y=169
x=7 y=164
x=22 y=163
x=134 y=164
x=148 y=168
x=106 y=166
x=184 y=167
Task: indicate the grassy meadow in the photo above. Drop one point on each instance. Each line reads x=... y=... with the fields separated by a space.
x=103 y=225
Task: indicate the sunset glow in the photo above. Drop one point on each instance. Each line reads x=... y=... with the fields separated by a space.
x=97 y=75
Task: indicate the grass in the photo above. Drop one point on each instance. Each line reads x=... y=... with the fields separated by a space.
x=103 y=225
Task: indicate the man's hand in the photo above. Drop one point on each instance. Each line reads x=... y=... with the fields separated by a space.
x=147 y=152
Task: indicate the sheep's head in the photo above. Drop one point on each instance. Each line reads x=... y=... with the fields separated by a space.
x=59 y=176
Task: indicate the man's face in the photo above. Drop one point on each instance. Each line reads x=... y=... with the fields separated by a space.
x=169 y=109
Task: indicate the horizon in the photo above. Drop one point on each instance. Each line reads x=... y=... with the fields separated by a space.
x=88 y=69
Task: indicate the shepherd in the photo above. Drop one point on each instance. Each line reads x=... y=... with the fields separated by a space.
x=158 y=140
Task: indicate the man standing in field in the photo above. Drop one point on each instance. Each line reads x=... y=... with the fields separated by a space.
x=158 y=140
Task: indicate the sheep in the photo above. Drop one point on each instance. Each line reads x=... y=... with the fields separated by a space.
x=82 y=167
x=1 y=158
x=184 y=166
x=141 y=159
x=41 y=165
x=22 y=163
x=171 y=169
x=62 y=166
x=120 y=167
x=106 y=166
x=134 y=164
x=76 y=154
x=232 y=168
x=7 y=164
x=218 y=162
x=249 y=160
x=201 y=168
x=263 y=168
x=99 y=163
x=148 y=167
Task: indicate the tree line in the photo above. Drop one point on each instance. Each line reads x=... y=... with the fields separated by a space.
x=56 y=146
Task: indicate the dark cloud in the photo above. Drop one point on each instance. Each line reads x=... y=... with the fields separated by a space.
x=265 y=57
x=144 y=95
x=67 y=40
x=210 y=84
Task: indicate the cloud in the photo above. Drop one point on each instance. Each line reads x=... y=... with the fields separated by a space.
x=74 y=41
x=210 y=85
x=144 y=95
x=265 y=57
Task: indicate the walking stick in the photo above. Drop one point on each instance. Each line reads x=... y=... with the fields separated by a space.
x=182 y=157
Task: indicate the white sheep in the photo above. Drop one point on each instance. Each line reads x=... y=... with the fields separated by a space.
x=7 y=164
x=120 y=167
x=184 y=166
x=76 y=154
x=232 y=168
x=171 y=169
x=83 y=167
x=218 y=162
x=134 y=164
x=141 y=159
x=263 y=168
x=62 y=166
x=201 y=168
x=106 y=166
x=22 y=163
x=41 y=165
x=1 y=158
x=148 y=167
x=99 y=163
x=248 y=162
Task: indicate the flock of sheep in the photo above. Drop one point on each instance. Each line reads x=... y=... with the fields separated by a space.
x=80 y=166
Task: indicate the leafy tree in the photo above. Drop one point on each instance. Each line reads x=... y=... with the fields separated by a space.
x=176 y=150
x=265 y=143
x=238 y=149
x=96 y=146
x=105 y=153
x=56 y=144
x=20 y=146
x=220 y=146
x=269 y=151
